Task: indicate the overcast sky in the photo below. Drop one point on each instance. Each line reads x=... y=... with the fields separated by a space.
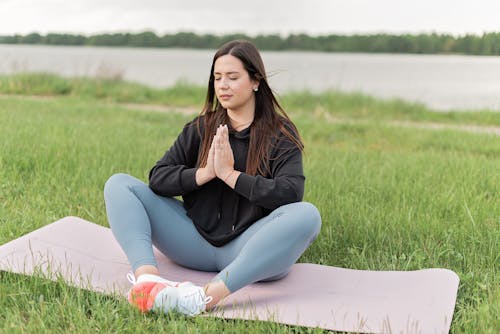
x=251 y=17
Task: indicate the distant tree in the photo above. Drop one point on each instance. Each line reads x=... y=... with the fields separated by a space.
x=144 y=39
x=64 y=39
x=269 y=42
x=33 y=38
x=109 y=40
x=9 y=39
x=230 y=37
x=468 y=44
x=487 y=44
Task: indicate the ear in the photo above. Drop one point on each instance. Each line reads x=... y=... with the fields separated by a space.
x=255 y=86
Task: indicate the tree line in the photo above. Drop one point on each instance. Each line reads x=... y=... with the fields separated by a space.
x=485 y=44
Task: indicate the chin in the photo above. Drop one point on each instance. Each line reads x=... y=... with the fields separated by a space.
x=225 y=105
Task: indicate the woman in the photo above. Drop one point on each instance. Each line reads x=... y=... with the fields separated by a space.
x=238 y=168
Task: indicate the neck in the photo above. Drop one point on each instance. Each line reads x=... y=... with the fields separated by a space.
x=241 y=118
x=238 y=126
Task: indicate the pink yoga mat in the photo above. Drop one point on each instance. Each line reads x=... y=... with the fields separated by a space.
x=87 y=256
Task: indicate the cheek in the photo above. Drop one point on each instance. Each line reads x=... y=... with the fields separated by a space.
x=242 y=88
x=236 y=87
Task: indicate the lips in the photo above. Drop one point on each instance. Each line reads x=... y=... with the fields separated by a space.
x=225 y=97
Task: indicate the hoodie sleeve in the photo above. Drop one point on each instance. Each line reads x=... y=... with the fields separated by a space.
x=284 y=186
x=175 y=173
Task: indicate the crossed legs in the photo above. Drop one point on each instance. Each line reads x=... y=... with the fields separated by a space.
x=140 y=219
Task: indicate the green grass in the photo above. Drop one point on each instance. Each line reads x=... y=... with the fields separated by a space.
x=358 y=106
x=331 y=103
x=45 y=84
x=390 y=198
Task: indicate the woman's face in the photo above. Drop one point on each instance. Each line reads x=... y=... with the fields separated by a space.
x=232 y=84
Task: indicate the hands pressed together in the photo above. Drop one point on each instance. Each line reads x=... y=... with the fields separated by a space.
x=220 y=162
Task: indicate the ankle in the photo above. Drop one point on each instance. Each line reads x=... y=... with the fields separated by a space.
x=218 y=291
x=146 y=269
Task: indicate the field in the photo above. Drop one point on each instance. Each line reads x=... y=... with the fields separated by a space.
x=399 y=187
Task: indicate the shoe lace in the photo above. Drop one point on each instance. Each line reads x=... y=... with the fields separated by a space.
x=131 y=278
x=195 y=300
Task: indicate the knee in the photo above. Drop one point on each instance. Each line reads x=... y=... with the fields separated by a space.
x=309 y=218
x=116 y=181
x=313 y=218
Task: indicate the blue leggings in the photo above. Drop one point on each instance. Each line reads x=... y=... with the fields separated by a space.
x=265 y=251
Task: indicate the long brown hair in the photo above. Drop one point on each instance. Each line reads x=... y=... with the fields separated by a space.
x=269 y=120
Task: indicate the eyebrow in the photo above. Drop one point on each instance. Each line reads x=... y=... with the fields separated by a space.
x=231 y=72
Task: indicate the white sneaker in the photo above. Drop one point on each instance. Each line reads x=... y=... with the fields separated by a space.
x=151 y=292
x=186 y=298
x=150 y=278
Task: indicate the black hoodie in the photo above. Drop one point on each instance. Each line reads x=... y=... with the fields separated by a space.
x=220 y=213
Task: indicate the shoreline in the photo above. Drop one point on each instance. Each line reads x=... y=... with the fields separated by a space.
x=192 y=110
x=441 y=82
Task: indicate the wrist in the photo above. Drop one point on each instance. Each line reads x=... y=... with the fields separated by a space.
x=203 y=176
x=231 y=178
x=228 y=175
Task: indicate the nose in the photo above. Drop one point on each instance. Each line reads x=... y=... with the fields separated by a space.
x=224 y=83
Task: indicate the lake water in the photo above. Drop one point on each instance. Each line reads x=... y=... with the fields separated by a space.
x=441 y=82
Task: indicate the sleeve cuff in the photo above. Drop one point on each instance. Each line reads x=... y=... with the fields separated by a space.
x=188 y=179
x=244 y=185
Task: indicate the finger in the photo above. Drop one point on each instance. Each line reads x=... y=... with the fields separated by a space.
x=219 y=131
x=224 y=133
x=218 y=140
x=212 y=148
